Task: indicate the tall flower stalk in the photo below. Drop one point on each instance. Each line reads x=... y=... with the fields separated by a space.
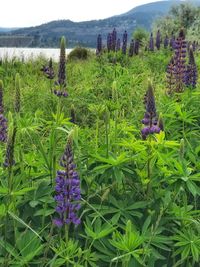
x=61 y=82
x=114 y=39
x=171 y=82
x=158 y=39
x=131 y=48
x=179 y=61
x=3 y=121
x=191 y=70
x=68 y=193
x=17 y=93
x=99 y=45
x=150 y=119
x=124 y=42
x=151 y=43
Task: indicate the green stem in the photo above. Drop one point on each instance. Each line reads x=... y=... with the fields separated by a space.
x=67 y=239
x=149 y=167
x=97 y=133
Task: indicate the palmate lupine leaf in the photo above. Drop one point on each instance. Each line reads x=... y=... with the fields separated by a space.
x=97 y=230
x=188 y=244
x=129 y=244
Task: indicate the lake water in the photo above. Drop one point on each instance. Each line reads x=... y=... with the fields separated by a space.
x=30 y=53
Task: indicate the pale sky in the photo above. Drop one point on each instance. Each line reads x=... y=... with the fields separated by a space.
x=25 y=13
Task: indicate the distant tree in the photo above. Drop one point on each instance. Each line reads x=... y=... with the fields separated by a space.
x=180 y=16
x=140 y=35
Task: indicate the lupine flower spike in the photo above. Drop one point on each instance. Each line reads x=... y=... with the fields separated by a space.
x=3 y=121
x=191 y=70
x=68 y=193
x=131 y=48
x=179 y=61
x=61 y=82
x=114 y=39
x=118 y=46
x=158 y=40
x=166 y=41
x=109 y=42
x=151 y=43
x=136 y=47
x=99 y=45
x=17 y=93
x=124 y=44
x=150 y=117
x=171 y=82
x=48 y=70
x=9 y=158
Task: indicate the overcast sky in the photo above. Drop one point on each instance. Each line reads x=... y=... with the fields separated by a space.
x=23 y=13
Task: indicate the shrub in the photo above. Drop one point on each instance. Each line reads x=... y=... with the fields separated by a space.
x=78 y=53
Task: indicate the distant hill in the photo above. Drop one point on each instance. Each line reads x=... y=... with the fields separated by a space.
x=85 y=33
x=7 y=29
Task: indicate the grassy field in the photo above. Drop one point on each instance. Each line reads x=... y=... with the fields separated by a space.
x=139 y=198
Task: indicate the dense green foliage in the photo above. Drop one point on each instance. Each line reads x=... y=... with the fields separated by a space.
x=140 y=199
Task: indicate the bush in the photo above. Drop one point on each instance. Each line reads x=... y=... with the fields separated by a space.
x=79 y=53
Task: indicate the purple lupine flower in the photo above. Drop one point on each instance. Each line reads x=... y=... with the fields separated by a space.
x=124 y=42
x=151 y=43
x=158 y=40
x=170 y=77
x=99 y=44
x=136 y=47
x=150 y=117
x=114 y=39
x=109 y=42
x=48 y=70
x=1 y=97
x=191 y=70
x=166 y=41
x=118 y=45
x=3 y=128
x=179 y=61
x=61 y=82
x=131 y=48
x=68 y=193
x=3 y=121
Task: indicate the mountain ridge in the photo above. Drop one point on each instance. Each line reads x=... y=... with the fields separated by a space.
x=85 y=33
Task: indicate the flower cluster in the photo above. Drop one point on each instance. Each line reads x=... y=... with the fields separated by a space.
x=131 y=48
x=17 y=93
x=124 y=42
x=3 y=121
x=61 y=84
x=166 y=41
x=99 y=44
x=179 y=61
x=9 y=158
x=68 y=193
x=171 y=82
x=158 y=40
x=118 y=45
x=151 y=43
x=109 y=42
x=191 y=70
x=3 y=128
x=136 y=47
x=114 y=39
x=48 y=70
x=150 y=117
